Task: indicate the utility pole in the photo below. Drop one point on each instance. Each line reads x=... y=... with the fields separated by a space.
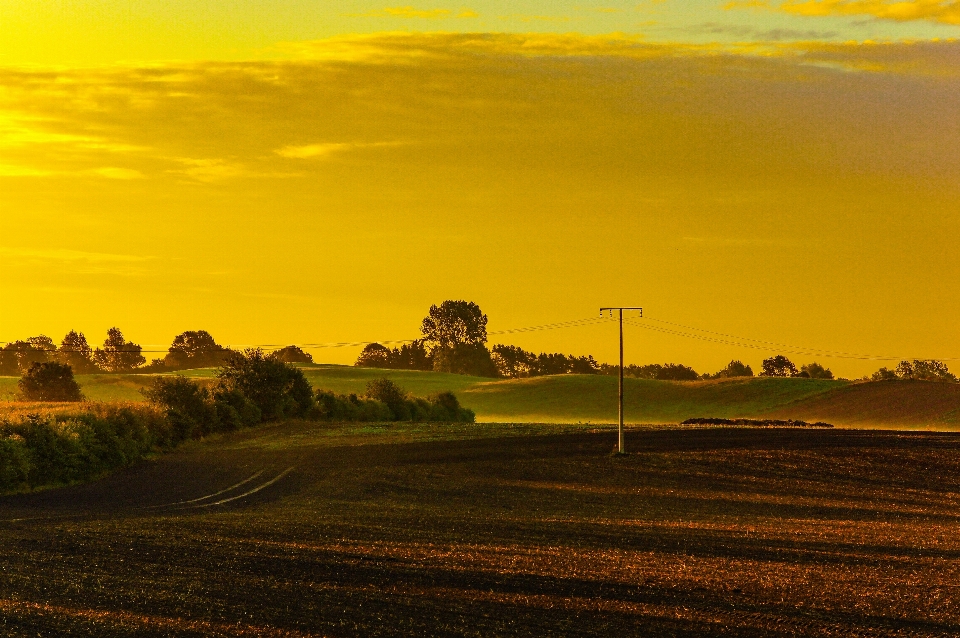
x=620 y=448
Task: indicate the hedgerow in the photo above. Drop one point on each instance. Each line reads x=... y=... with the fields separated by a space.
x=54 y=446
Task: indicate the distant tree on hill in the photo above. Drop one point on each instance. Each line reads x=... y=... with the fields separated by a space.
x=735 y=368
x=412 y=356
x=75 y=352
x=778 y=366
x=49 y=381
x=118 y=354
x=195 y=349
x=515 y=363
x=661 y=372
x=464 y=358
x=454 y=323
x=884 y=374
x=17 y=357
x=925 y=370
x=409 y=356
x=455 y=334
x=291 y=354
x=43 y=343
x=374 y=355
x=814 y=371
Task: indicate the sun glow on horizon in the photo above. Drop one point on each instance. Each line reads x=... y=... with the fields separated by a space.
x=326 y=184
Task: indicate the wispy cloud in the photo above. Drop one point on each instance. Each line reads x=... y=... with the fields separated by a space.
x=942 y=11
x=112 y=172
x=67 y=255
x=523 y=17
x=753 y=34
x=14 y=170
x=326 y=149
x=415 y=13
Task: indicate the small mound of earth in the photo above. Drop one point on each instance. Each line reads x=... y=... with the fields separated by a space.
x=760 y=423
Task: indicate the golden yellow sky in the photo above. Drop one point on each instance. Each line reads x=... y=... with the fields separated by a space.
x=331 y=190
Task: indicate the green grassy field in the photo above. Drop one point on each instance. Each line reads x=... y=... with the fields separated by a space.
x=591 y=398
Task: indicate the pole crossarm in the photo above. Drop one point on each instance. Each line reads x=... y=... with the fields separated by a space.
x=620 y=309
x=611 y=309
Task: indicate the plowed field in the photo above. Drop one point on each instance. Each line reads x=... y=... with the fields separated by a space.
x=300 y=530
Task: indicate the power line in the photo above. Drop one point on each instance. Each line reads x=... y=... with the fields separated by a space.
x=784 y=348
x=574 y=323
x=709 y=336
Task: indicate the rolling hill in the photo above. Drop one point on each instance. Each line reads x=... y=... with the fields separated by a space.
x=589 y=398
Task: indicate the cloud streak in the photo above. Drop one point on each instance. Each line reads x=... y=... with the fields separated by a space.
x=940 y=11
x=409 y=12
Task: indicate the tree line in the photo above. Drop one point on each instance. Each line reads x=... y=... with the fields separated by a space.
x=189 y=349
x=454 y=339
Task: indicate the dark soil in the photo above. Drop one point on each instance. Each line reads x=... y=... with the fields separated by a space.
x=702 y=532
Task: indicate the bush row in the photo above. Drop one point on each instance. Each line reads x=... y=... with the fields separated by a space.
x=44 y=449
x=58 y=448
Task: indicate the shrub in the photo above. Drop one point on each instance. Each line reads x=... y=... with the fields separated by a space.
x=14 y=463
x=234 y=409
x=340 y=407
x=49 y=381
x=188 y=406
x=276 y=388
x=63 y=448
x=446 y=407
x=391 y=395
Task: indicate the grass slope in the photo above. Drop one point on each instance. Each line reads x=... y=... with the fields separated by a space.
x=886 y=403
x=594 y=398
x=590 y=398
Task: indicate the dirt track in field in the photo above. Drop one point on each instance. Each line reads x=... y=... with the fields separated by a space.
x=700 y=532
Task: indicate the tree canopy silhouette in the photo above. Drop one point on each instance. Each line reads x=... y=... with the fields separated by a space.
x=455 y=332
x=778 y=366
x=17 y=357
x=118 y=354
x=454 y=323
x=291 y=354
x=49 y=381
x=195 y=349
x=75 y=352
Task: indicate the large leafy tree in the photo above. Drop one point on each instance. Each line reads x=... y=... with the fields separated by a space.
x=292 y=354
x=925 y=370
x=75 y=352
x=815 y=371
x=118 y=354
x=195 y=349
x=455 y=332
x=278 y=389
x=735 y=368
x=17 y=357
x=454 y=323
x=49 y=381
x=374 y=355
x=778 y=366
